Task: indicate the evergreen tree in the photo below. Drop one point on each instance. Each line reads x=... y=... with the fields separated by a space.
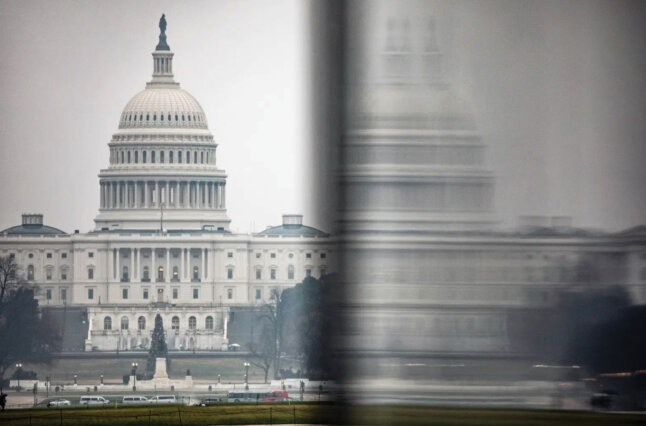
x=158 y=348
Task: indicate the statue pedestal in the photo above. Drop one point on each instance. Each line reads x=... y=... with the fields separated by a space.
x=160 y=376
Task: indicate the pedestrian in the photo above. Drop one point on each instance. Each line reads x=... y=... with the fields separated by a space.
x=3 y=400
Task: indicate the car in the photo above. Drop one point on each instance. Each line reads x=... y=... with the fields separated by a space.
x=603 y=399
x=134 y=399
x=276 y=396
x=163 y=399
x=209 y=401
x=59 y=403
x=234 y=347
x=93 y=400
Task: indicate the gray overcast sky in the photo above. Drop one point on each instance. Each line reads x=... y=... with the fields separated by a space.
x=557 y=87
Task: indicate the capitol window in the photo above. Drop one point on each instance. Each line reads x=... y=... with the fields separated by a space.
x=49 y=255
x=64 y=255
x=31 y=255
x=64 y=274
x=273 y=255
x=124 y=293
x=124 y=323
x=161 y=156
x=146 y=274
x=175 y=273
x=63 y=294
x=196 y=293
x=230 y=254
x=152 y=157
x=179 y=156
x=143 y=157
x=136 y=157
x=229 y=293
x=49 y=294
x=107 y=323
x=258 y=274
x=128 y=157
x=308 y=272
x=141 y=323
x=257 y=255
x=195 y=157
x=188 y=157
x=48 y=273
x=290 y=272
x=90 y=273
x=308 y=255
x=202 y=157
x=196 y=273
x=170 y=157
x=160 y=273
x=323 y=255
x=208 y=323
x=145 y=293
x=192 y=323
x=258 y=294
x=90 y=254
x=174 y=323
x=90 y=293
x=175 y=293
x=176 y=119
x=230 y=273
x=272 y=273
x=168 y=117
x=30 y=272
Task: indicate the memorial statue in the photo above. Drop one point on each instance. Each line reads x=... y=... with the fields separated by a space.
x=162 y=45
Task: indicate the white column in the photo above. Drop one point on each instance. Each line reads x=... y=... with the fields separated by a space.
x=181 y=265
x=204 y=272
x=153 y=270
x=131 y=273
x=117 y=277
x=135 y=272
x=146 y=194
x=167 y=271
x=198 y=197
x=211 y=195
x=108 y=272
x=224 y=195
x=136 y=204
x=156 y=200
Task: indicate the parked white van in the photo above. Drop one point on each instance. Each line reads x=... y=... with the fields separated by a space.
x=93 y=400
x=163 y=399
x=134 y=399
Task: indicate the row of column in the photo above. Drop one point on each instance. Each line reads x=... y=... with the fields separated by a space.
x=174 y=194
x=135 y=264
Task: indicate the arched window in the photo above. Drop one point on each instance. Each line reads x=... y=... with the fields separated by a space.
x=146 y=273
x=161 y=156
x=170 y=157
x=30 y=272
x=128 y=157
x=124 y=275
x=175 y=273
x=124 y=323
x=152 y=157
x=192 y=323
x=188 y=157
x=208 y=324
x=161 y=116
x=141 y=323
x=155 y=117
x=144 y=157
x=107 y=323
x=174 y=324
x=196 y=272
x=179 y=156
x=290 y=272
x=141 y=117
x=136 y=157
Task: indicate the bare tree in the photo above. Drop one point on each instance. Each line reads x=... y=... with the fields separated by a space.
x=270 y=317
x=9 y=277
x=263 y=350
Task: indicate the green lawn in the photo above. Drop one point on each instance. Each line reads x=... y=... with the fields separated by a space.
x=88 y=370
x=238 y=414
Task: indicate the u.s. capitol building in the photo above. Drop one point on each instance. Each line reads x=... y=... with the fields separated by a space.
x=162 y=242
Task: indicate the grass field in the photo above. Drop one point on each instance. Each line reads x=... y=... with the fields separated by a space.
x=88 y=370
x=308 y=413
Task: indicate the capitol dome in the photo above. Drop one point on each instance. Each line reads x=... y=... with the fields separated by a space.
x=163 y=107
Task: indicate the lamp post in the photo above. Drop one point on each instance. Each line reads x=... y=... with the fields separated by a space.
x=101 y=376
x=246 y=376
x=134 y=375
x=18 y=371
x=75 y=379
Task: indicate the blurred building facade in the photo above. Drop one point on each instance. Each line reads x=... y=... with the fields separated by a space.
x=162 y=242
x=426 y=272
